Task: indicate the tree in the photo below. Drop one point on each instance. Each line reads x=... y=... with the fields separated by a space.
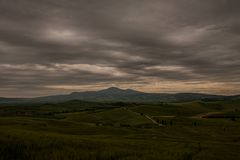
x=199 y=147
x=233 y=119
x=195 y=124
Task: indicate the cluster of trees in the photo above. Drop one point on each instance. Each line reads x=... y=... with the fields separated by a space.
x=165 y=122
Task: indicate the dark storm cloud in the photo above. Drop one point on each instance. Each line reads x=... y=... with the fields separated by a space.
x=89 y=42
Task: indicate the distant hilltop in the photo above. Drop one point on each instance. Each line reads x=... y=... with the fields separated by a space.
x=114 y=94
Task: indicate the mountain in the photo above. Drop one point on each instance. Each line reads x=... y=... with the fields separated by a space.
x=123 y=95
x=110 y=94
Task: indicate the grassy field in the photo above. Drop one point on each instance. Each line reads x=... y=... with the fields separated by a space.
x=107 y=131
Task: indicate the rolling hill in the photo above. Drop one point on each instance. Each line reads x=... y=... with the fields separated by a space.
x=123 y=95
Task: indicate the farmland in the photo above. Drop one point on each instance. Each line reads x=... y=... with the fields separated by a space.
x=98 y=130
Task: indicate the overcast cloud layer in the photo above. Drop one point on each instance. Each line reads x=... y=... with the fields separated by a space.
x=59 y=46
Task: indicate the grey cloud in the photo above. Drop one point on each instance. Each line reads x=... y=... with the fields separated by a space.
x=129 y=35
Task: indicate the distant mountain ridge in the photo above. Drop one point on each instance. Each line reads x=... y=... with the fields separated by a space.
x=116 y=94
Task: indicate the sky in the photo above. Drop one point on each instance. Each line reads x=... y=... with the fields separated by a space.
x=167 y=46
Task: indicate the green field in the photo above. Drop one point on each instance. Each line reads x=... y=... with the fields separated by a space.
x=79 y=130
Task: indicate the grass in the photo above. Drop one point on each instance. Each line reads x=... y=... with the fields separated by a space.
x=108 y=131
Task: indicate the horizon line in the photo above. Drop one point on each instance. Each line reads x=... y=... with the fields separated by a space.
x=124 y=89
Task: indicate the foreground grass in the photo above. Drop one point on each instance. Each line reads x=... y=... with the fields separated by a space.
x=124 y=133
